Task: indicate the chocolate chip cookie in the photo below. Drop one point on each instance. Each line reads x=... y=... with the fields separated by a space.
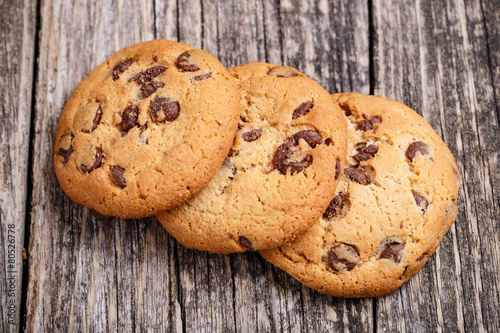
x=146 y=130
x=395 y=201
x=281 y=172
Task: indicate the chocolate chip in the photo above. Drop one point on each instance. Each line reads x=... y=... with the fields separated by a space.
x=184 y=63
x=392 y=251
x=299 y=166
x=120 y=68
x=371 y=149
x=360 y=146
x=282 y=71
x=368 y=124
x=246 y=243
x=202 y=77
x=365 y=153
x=311 y=137
x=65 y=147
x=149 y=88
x=155 y=58
x=347 y=109
x=335 y=206
x=97 y=118
x=164 y=109
x=362 y=157
x=338 y=168
x=328 y=141
x=87 y=117
x=282 y=154
x=148 y=74
x=376 y=120
x=343 y=257
x=356 y=175
x=302 y=110
x=421 y=201
x=416 y=147
x=252 y=135
x=65 y=153
x=97 y=161
x=365 y=125
x=98 y=216
x=117 y=173
x=422 y=256
x=95 y=121
x=129 y=118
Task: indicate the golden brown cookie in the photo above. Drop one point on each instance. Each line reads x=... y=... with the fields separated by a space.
x=281 y=172
x=146 y=130
x=395 y=202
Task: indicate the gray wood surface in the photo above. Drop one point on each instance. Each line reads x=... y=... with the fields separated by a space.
x=434 y=57
x=440 y=58
x=17 y=51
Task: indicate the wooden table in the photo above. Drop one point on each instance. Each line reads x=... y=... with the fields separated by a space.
x=442 y=58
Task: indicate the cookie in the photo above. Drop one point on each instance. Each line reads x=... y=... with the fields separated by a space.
x=281 y=172
x=395 y=202
x=146 y=130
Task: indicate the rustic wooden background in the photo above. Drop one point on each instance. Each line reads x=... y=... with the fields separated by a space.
x=442 y=58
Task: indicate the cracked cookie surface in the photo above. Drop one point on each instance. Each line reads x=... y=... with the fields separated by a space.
x=395 y=201
x=278 y=177
x=144 y=131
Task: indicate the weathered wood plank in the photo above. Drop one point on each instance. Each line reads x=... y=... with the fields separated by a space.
x=193 y=277
x=216 y=310
x=329 y=43
x=483 y=190
x=86 y=275
x=433 y=57
x=205 y=294
x=257 y=305
x=130 y=275
x=265 y=298
x=241 y=36
x=491 y=13
x=17 y=44
x=397 y=52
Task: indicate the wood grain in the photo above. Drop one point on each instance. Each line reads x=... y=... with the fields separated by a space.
x=490 y=12
x=17 y=33
x=329 y=43
x=434 y=59
x=205 y=297
x=83 y=273
x=439 y=58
